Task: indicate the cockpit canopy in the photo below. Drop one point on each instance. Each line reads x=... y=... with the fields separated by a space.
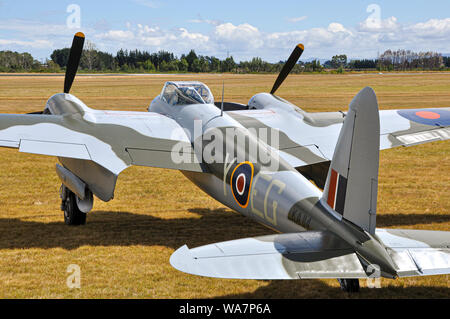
x=184 y=93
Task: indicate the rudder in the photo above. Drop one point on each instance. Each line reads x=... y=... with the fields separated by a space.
x=352 y=182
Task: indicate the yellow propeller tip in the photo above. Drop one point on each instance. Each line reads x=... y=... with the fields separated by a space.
x=301 y=46
x=79 y=34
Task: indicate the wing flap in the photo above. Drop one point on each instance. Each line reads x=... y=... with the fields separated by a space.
x=412 y=139
x=162 y=159
x=286 y=256
x=71 y=150
x=10 y=144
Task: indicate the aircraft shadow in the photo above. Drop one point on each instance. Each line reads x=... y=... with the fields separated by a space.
x=313 y=288
x=125 y=229
x=206 y=226
x=391 y=220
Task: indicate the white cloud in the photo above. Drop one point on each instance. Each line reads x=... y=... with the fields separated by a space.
x=117 y=35
x=238 y=38
x=244 y=40
x=297 y=19
x=336 y=27
x=153 y=38
x=33 y=28
x=185 y=34
x=379 y=25
x=207 y=21
x=39 y=44
x=433 y=28
x=147 y=3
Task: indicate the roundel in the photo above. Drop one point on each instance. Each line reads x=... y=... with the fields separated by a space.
x=435 y=117
x=241 y=182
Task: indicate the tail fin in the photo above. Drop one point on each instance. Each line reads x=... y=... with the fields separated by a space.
x=352 y=182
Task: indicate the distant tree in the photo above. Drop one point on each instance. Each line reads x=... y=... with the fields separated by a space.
x=149 y=66
x=183 y=65
x=446 y=61
x=90 y=56
x=363 y=64
x=339 y=61
x=15 y=62
x=214 y=64
x=228 y=65
x=408 y=60
x=168 y=66
x=190 y=58
x=52 y=67
x=60 y=57
x=313 y=66
x=195 y=66
x=328 y=65
x=104 y=61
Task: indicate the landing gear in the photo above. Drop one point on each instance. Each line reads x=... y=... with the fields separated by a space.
x=349 y=285
x=69 y=204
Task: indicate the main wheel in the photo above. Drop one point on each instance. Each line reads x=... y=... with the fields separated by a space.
x=349 y=285
x=72 y=214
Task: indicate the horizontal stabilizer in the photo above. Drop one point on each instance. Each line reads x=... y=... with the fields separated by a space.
x=286 y=256
x=314 y=254
x=418 y=252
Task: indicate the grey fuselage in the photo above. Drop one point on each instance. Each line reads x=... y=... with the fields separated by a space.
x=278 y=196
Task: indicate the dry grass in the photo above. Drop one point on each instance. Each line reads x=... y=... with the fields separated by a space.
x=124 y=249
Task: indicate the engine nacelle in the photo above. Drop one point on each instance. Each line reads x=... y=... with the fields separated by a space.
x=62 y=103
x=263 y=101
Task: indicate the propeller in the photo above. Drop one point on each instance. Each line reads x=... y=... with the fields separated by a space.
x=74 y=60
x=72 y=65
x=288 y=66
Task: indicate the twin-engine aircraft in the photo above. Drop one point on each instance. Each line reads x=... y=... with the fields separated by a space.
x=268 y=160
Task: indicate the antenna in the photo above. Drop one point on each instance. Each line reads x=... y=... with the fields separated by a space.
x=223 y=91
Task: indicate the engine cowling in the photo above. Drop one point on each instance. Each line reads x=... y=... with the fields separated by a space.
x=263 y=101
x=60 y=104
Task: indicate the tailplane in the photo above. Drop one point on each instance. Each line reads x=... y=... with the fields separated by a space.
x=352 y=181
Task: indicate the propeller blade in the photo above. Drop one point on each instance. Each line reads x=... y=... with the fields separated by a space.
x=74 y=60
x=288 y=66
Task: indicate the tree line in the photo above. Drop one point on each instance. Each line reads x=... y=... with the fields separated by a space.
x=400 y=60
x=132 y=61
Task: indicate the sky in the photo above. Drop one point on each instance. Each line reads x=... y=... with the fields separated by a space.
x=242 y=29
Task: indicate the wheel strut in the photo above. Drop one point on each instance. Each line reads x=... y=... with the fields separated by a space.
x=72 y=214
x=349 y=285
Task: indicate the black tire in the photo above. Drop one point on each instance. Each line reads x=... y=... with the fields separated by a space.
x=349 y=285
x=73 y=216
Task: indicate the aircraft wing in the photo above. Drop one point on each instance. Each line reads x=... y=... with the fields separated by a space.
x=112 y=139
x=310 y=138
x=313 y=254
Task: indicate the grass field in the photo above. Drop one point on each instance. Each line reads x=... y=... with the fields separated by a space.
x=124 y=250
